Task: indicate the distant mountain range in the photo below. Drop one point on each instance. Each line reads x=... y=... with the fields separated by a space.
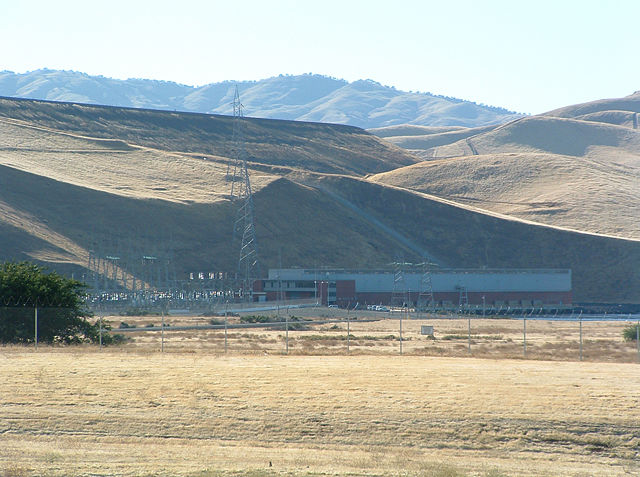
x=315 y=98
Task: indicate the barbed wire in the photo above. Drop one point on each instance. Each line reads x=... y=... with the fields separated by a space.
x=30 y=301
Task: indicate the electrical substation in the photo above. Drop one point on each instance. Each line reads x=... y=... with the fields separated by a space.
x=125 y=275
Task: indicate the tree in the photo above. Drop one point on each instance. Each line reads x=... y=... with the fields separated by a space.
x=62 y=316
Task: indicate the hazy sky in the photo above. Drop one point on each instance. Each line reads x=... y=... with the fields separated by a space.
x=529 y=56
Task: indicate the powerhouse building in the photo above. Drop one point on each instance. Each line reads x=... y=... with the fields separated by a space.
x=522 y=288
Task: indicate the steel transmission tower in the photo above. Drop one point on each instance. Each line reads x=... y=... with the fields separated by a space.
x=425 y=299
x=399 y=297
x=244 y=233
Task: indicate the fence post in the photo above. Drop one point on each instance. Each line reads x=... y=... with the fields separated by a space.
x=36 y=327
x=401 y=313
x=162 y=332
x=524 y=335
x=638 y=339
x=469 y=332
x=580 y=336
x=348 y=333
x=286 y=320
x=225 y=333
x=100 y=322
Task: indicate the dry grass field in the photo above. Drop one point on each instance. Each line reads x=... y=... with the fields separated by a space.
x=193 y=412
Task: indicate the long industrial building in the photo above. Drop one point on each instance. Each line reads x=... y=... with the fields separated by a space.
x=517 y=288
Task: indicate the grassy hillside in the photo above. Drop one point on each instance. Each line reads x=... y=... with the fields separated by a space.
x=564 y=191
x=412 y=130
x=425 y=145
x=116 y=166
x=548 y=134
x=603 y=267
x=581 y=174
x=627 y=119
x=134 y=182
x=628 y=103
x=318 y=147
x=72 y=220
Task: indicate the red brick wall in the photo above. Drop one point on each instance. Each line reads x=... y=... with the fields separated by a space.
x=345 y=292
x=474 y=298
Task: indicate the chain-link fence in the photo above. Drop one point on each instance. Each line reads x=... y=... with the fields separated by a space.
x=296 y=329
x=333 y=331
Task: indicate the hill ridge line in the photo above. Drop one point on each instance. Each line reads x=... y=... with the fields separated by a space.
x=362 y=103
x=497 y=214
x=181 y=112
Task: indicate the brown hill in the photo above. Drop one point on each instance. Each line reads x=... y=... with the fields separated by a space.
x=564 y=191
x=426 y=146
x=628 y=103
x=569 y=173
x=550 y=135
x=603 y=267
x=65 y=191
x=620 y=118
x=412 y=130
x=328 y=148
x=63 y=228
x=56 y=222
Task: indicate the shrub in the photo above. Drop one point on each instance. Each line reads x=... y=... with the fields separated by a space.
x=139 y=312
x=115 y=339
x=630 y=333
x=295 y=322
x=258 y=319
